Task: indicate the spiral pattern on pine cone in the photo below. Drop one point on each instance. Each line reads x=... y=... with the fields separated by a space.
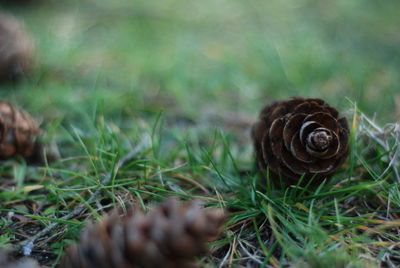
x=301 y=136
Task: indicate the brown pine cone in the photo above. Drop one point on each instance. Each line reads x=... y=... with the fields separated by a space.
x=169 y=236
x=300 y=137
x=5 y=262
x=16 y=49
x=18 y=132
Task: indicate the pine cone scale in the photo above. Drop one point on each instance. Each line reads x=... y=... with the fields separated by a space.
x=324 y=119
x=295 y=165
x=322 y=166
x=306 y=129
x=296 y=147
x=267 y=154
x=308 y=108
x=279 y=112
x=292 y=126
x=275 y=136
x=258 y=136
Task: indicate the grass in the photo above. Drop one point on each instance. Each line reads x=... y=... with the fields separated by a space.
x=184 y=80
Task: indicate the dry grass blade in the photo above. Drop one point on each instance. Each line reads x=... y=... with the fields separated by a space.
x=388 y=138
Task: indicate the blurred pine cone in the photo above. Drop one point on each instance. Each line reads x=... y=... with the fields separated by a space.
x=300 y=137
x=18 y=132
x=16 y=49
x=5 y=262
x=171 y=235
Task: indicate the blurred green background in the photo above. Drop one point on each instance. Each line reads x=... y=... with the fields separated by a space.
x=188 y=58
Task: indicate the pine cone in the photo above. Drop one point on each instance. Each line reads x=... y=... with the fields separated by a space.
x=5 y=262
x=16 y=49
x=301 y=137
x=171 y=235
x=18 y=132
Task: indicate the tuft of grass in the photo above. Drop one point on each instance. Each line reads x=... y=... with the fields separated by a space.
x=353 y=215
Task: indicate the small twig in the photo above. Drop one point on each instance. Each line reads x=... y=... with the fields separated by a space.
x=28 y=244
x=254 y=257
